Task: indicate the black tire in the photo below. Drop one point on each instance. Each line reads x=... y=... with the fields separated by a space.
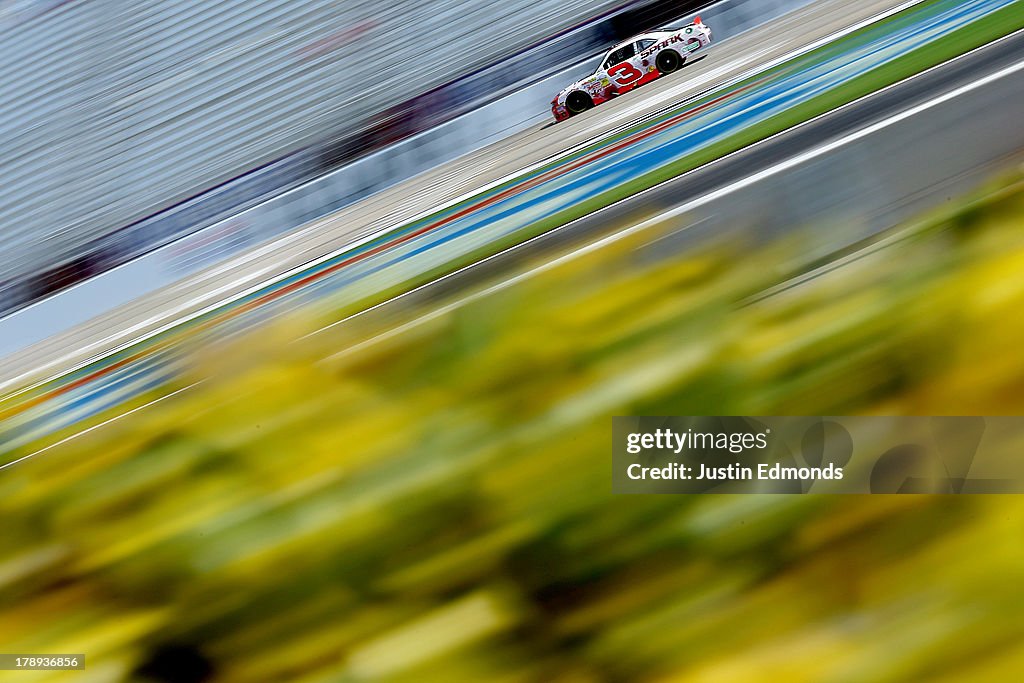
x=578 y=102
x=668 y=61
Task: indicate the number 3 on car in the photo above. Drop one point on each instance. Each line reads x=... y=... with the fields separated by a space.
x=625 y=73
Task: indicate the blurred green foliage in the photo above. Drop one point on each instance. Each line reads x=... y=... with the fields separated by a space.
x=434 y=505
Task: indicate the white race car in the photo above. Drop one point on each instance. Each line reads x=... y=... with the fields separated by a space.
x=632 y=63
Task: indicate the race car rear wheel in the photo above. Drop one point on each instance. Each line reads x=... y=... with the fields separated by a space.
x=578 y=102
x=668 y=61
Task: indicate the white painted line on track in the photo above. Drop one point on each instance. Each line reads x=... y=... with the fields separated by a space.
x=672 y=233
x=278 y=243
x=97 y=426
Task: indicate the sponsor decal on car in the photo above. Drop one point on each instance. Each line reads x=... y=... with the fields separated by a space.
x=678 y=38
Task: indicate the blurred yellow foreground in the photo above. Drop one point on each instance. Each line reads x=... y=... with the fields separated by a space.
x=434 y=504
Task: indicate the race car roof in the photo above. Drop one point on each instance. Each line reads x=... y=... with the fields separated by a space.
x=635 y=38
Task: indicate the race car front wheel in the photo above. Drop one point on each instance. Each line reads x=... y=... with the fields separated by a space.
x=668 y=61
x=578 y=102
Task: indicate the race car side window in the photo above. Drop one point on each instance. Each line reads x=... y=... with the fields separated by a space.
x=644 y=44
x=620 y=55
